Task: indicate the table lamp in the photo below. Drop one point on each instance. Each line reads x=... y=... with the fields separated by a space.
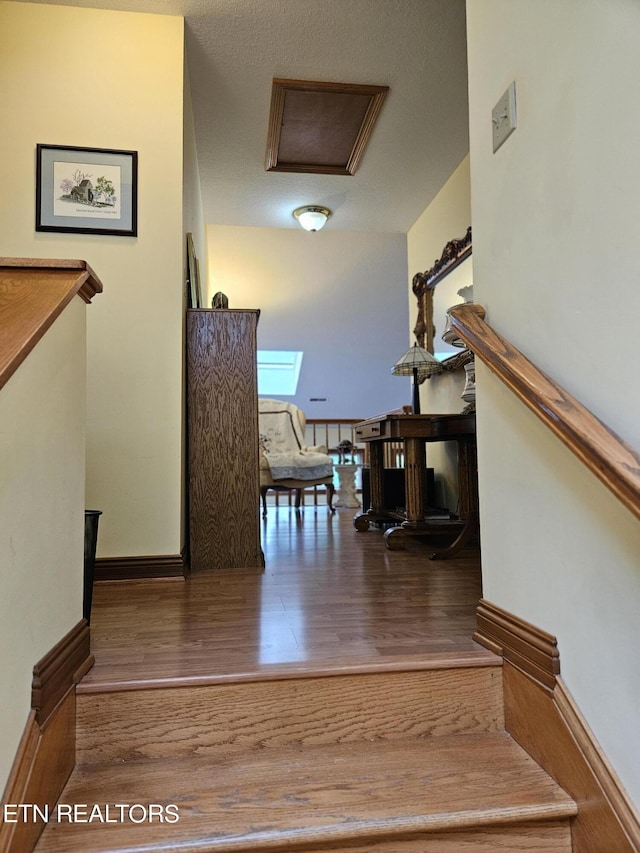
x=419 y=363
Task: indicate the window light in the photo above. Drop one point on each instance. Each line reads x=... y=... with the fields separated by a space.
x=278 y=372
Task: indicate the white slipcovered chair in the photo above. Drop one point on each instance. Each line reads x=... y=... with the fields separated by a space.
x=286 y=463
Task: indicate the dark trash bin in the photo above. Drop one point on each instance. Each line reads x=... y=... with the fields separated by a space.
x=91 y=517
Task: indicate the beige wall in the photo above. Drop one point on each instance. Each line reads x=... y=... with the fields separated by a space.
x=122 y=89
x=193 y=214
x=42 y=460
x=447 y=218
x=337 y=295
x=555 y=216
x=193 y=223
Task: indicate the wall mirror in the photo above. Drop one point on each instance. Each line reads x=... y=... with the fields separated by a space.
x=436 y=291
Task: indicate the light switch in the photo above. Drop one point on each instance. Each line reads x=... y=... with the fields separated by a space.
x=503 y=117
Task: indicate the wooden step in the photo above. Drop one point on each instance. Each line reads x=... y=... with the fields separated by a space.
x=206 y=719
x=474 y=792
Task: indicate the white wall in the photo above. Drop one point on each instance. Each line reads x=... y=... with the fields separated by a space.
x=446 y=218
x=122 y=89
x=555 y=217
x=339 y=296
x=42 y=460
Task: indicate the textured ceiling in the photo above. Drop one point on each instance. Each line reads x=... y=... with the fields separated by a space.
x=236 y=47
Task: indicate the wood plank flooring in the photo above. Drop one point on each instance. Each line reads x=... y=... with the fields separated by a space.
x=330 y=599
x=334 y=702
x=333 y=797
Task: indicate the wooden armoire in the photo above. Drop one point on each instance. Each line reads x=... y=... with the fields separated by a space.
x=222 y=413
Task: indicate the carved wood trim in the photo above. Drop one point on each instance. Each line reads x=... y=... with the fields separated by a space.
x=453 y=253
x=456 y=362
x=614 y=462
x=542 y=717
x=59 y=670
x=531 y=650
x=132 y=568
x=33 y=293
x=423 y=284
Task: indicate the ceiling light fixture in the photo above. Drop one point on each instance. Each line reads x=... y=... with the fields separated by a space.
x=312 y=218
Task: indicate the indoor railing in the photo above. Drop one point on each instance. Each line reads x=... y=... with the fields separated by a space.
x=614 y=462
x=331 y=432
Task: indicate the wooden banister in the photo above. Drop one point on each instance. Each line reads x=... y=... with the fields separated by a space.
x=610 y=458
x=33 y=292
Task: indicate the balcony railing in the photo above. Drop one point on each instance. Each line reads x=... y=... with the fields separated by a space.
x=331 y=432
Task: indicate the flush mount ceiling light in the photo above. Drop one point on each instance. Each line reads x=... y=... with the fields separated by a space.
x=312 y=218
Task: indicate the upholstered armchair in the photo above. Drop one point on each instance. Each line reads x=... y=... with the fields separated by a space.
x=286 y=463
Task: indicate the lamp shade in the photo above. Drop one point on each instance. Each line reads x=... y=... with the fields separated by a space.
x=312 y=218
x=419 y=363
x=416 y=359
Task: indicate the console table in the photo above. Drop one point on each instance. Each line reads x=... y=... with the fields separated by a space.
x=415 y=431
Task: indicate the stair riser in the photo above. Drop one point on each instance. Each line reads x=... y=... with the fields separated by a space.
x=198 y=720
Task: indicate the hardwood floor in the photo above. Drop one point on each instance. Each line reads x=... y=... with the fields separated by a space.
x=330 y=598
x=335 y=702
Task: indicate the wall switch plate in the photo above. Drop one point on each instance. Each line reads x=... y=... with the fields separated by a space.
x=503 y=117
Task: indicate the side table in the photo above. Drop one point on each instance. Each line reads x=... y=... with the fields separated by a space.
x=414 y=431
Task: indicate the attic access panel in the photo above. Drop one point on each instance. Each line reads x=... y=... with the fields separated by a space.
x=320 y=127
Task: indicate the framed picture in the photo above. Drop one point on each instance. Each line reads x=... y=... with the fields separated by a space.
x=193 y=275
x=86 y=190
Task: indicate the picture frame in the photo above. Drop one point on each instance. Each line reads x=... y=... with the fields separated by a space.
x=86 y=190
x=424 y=283
x=193 y=275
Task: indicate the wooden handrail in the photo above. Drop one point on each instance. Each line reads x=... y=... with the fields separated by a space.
x=33 y=292
x=607 y=455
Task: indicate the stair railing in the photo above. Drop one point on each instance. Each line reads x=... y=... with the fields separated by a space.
x=609 y=457
x=33 y=292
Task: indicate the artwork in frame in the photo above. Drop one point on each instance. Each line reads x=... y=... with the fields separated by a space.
x=86 y=190
x=193 y=275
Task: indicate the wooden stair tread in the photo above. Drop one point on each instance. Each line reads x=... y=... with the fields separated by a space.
x=95 y=681
x=290 y=798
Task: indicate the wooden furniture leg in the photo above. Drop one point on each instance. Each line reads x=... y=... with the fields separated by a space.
x=468 y=496
x=376 y=484
x=415 y=472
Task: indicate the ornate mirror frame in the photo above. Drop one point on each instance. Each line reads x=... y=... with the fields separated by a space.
x=423 y=285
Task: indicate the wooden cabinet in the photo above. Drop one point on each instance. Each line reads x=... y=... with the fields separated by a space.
x=222 y=413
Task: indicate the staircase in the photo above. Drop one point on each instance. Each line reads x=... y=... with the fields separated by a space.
x=389 y=760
